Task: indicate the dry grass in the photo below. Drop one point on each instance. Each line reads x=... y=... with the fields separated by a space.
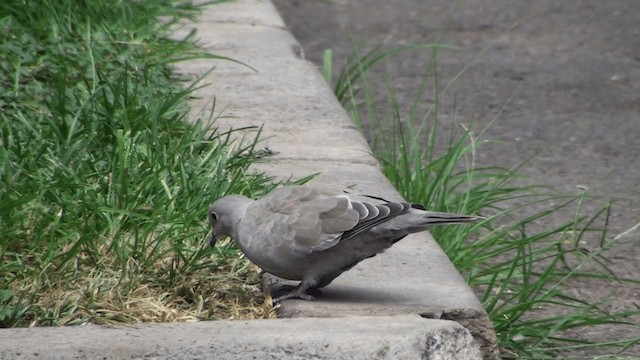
x=123 y=297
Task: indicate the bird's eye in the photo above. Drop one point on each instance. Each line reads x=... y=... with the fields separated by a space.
x=213 y=216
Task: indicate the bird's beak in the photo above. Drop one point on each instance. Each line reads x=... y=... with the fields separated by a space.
x=213 y=240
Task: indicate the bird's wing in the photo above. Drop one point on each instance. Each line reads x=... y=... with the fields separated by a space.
x=299 y=220
x=302 y=220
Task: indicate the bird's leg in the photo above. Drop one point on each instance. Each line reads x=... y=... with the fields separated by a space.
x=305 y=291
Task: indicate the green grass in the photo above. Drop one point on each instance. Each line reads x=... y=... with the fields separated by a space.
x=104 y=184
x=522 y=270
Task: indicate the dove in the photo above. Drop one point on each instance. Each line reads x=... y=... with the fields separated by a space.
x=314 y=234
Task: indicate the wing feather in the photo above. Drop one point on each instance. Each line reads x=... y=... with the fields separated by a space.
x=361 y=209
x=386 y=212
x=302 y=219
x=372 y=211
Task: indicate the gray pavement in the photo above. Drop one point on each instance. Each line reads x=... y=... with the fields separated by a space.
x=567 y=73
x=384 y=337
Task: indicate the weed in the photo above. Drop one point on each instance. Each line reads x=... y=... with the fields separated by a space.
x=520 y=268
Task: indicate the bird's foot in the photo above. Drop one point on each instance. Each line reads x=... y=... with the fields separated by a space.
x=295 y=292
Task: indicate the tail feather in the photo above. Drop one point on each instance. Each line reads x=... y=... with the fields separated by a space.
x=438 y=218
x=422 y=220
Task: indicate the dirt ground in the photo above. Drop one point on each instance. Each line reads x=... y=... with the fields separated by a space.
x=567 y=71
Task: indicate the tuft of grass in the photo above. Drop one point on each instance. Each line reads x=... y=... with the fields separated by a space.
x=104 y=184
x=519 y=263
x=357 y=65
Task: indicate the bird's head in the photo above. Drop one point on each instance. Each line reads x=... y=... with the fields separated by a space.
x=225 y=214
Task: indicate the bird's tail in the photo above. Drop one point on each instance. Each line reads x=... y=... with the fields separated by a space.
x=420 y=220
x=440 y=218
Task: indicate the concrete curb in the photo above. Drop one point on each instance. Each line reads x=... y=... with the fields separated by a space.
x=383 y=337
x=310 y=133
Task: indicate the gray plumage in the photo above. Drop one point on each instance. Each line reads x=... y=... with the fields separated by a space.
x=314 y=234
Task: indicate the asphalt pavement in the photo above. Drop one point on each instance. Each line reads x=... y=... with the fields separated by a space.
x=562 y=79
